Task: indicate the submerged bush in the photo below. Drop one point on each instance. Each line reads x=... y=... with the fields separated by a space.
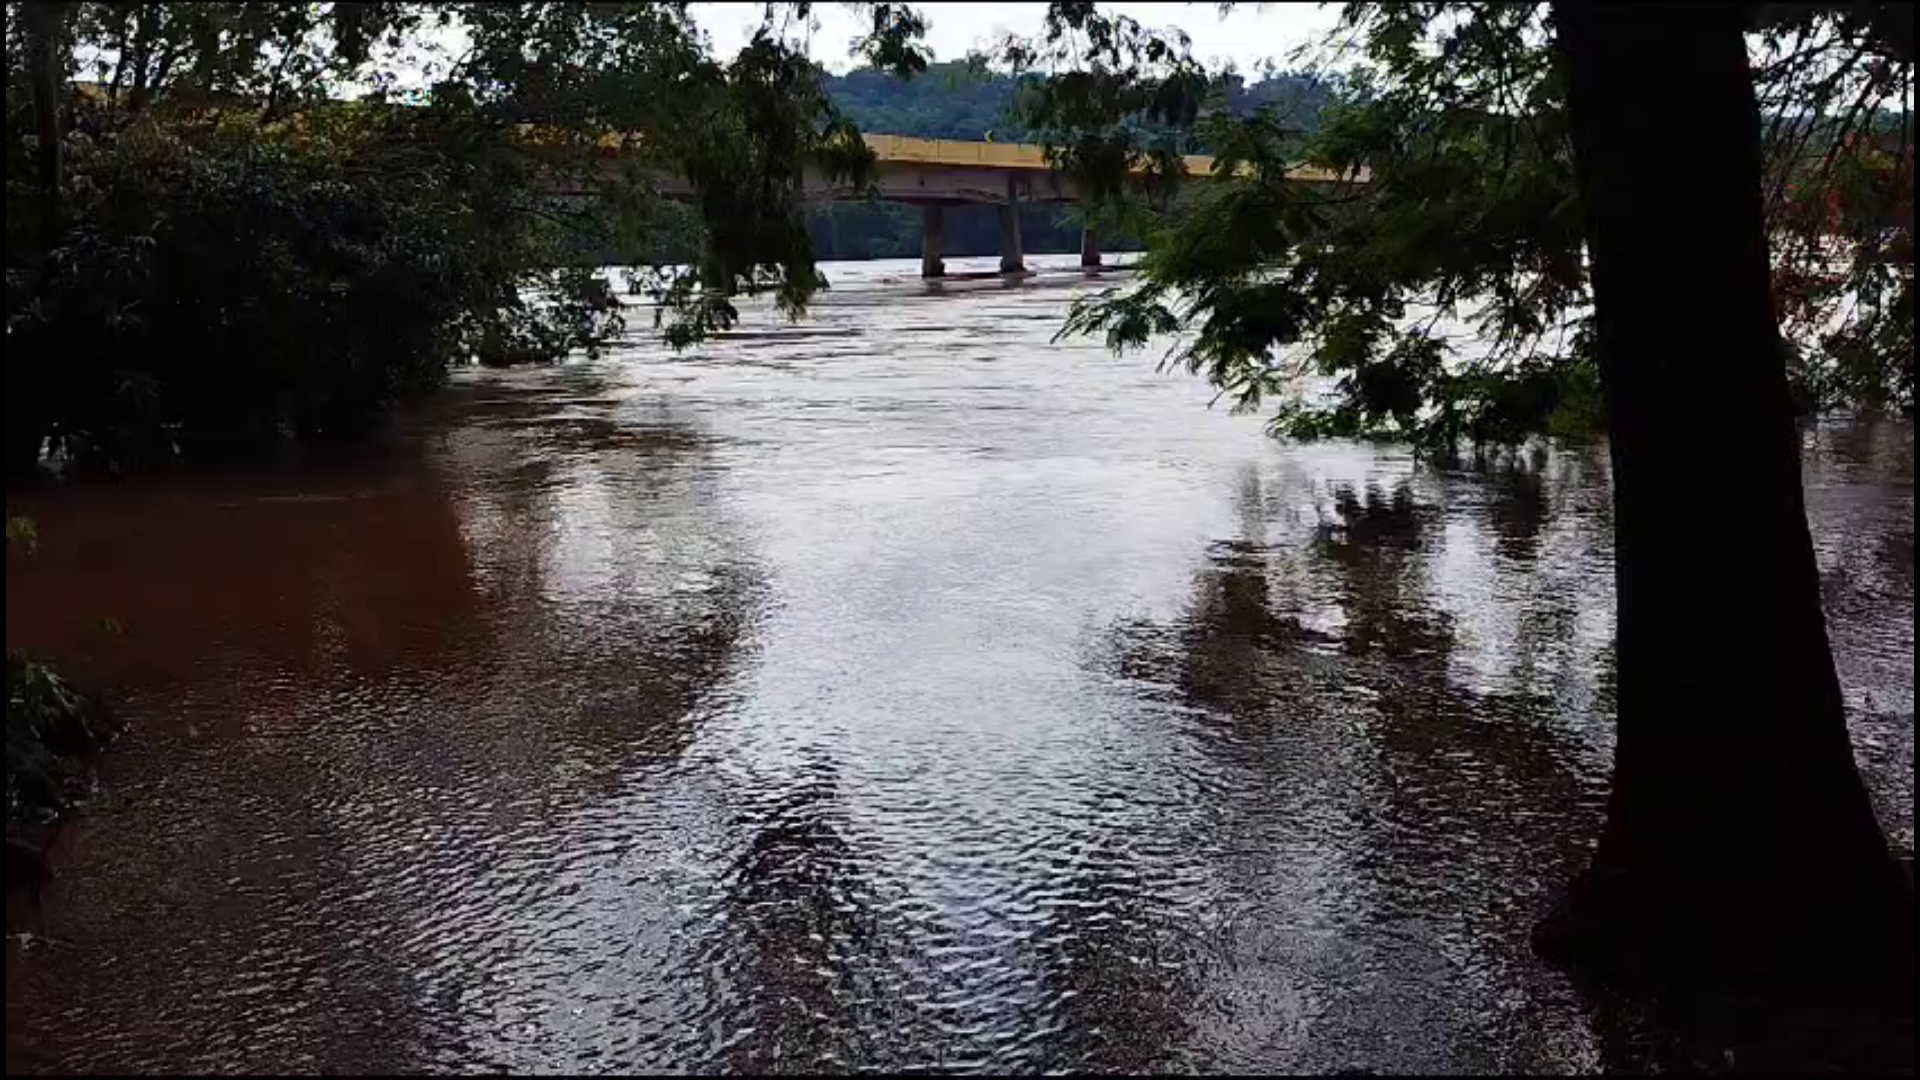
x=51 y=730
x=224 y=286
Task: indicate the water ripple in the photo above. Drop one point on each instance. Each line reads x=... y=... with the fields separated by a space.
x=899 y=691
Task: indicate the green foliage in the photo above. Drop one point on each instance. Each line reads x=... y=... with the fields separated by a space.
x=51 y=730
x=1836 y=91
x=223 y=254
x=21 y=532
x=957 y=99
x=745 y=149
x=950 y=100
x=1116 y=103
x=1439 y=295
x=370 y=264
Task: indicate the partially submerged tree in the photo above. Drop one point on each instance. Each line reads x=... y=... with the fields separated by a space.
x=1519 y=165
x=1740 y=841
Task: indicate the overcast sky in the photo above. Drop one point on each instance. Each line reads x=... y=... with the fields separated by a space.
x=1247 y=35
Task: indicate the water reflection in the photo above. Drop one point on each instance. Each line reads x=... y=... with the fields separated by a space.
x=871 y=696
x=246 y=610
x=376 y=726
x=1418 y=820
x=276 y=571
x=797 y=920
x=1859 y=480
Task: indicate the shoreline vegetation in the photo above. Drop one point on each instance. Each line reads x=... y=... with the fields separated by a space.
x=54 y=729
x=392 y=245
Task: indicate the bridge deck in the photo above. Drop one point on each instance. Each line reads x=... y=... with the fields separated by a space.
x=960 y=153
x=1009 y=157
x=963 y=154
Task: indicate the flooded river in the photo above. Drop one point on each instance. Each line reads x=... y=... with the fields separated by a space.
x=894 y=690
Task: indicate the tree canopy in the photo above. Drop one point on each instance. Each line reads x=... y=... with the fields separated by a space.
x=380 y=152
x=392 y=226
x=1445 y=299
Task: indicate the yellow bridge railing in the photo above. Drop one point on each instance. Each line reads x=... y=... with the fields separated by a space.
x=964 y=154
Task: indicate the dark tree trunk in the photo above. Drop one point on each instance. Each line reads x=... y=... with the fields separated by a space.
x=1740 y=841
x=45 y=26
x=146 y=28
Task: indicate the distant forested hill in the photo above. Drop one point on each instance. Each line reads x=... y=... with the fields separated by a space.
x=949 y=102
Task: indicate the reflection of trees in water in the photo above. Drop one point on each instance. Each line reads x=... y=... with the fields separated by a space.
x=362 y=743
x=1517 y=511
x=1482 y=798
x=1452 y=809
x=268 y=574
x=812 y=964
x=1260 y=693
x=1546 y=628
x=1870 y=451
x=1372 y=554
x=790 y=966
x=1860 y=506
x=1860 y=510
x=1487 y=765
x=1118 y=975
x=567 y=479
x=623 y=600
x=1895 y=555
x=211 y=891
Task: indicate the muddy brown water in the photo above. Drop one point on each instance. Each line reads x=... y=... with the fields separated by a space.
x=898 y=690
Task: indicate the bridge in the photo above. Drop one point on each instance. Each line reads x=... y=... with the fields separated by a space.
x=937 y=173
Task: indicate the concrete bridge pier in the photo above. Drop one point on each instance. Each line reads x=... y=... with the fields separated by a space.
x=1012 y=260
x=933 y=232
x=1089 y=249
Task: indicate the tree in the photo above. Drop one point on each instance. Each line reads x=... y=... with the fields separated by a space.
x=1740 y=841
x=389 y=234
x=1519 y=158
x=43 y=28
x=1345 y=303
